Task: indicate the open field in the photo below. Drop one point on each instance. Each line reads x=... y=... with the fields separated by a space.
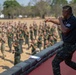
x=9 y=59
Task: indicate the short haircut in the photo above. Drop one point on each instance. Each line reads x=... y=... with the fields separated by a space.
x=68 y=8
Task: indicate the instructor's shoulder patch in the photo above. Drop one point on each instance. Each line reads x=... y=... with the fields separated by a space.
x=68 y=25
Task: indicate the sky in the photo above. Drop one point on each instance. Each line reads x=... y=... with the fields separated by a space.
x=22 y=2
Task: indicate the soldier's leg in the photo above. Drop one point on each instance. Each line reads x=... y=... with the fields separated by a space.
x=40 y=45
x=28 y=42
x=21 y=45
x=20 y=42
x=10 y=45
x=44 y=44
x=17 y=60
x=24 y=38
x=2 y=50
x=33 y=52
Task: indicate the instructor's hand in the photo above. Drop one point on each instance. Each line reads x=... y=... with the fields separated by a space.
x=47 y=20
x=60 y=19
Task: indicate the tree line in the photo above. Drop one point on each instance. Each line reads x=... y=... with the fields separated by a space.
x=40 y=8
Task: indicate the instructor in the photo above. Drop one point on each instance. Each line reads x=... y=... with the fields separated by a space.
x=68 y=28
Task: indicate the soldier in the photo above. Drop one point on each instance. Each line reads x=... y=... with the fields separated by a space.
x=25 y=29
x=17 y=51
x=45 y=37
x=55 y=37
x=20 y=38
x=34 y=46
x=31 y=32
x=51 y=40
x=3 y=45
x=47 y=44
x=35 y=30
x=10 y=39
x=52 y=30
x=39 y=42
x=39 y=31
x=27 y=37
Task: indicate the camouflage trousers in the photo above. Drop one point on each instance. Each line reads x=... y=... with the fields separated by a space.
x=65 y=54
x=17 y=59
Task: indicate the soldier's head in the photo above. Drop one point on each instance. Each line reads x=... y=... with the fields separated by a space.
x=2 y=35
x=51 y=38
x=40 y=34
x=15 y=38
x=47 y=41
x=20 y=32
x=44 y=32
x=67 y=11
x=33 y=41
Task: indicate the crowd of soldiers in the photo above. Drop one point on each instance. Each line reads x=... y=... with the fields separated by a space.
x=35 y=36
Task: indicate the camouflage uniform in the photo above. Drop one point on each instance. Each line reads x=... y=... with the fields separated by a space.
x=27 y=38
x=35 y=31
x=39 y=42
x=17 y=55
x=31 y=33
x=10 y=39
x=21 y=42
x=3 y=47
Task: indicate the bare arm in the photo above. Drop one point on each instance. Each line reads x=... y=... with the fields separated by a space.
x=64 y=29
x=55 y=21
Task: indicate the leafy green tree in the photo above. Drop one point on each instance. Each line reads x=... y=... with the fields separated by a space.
x=43 y=8
x=73 y=4
x=57 y=6
x=0 y=9
x=10 y=8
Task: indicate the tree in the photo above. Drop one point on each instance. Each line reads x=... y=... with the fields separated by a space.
x=73 y=4
x=0 y=9
x=9 y=8
x=43 y=8
x=57 y=6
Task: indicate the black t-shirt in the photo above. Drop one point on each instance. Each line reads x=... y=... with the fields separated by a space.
x=71 y=36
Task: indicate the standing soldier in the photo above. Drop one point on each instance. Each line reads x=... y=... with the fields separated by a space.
x=47 y=44
x=17 y=51
x=31 y=32
x=55 y=37
x=39 y=42
x=45 y=37
x=51 y=40
x=27 y=37
x=34 y=46
x=3 y=45
x=10 y=39
x=20 y=38
x=52 y=30
x=35 y=30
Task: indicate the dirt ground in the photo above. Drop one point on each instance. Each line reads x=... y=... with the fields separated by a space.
x=9 y=59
